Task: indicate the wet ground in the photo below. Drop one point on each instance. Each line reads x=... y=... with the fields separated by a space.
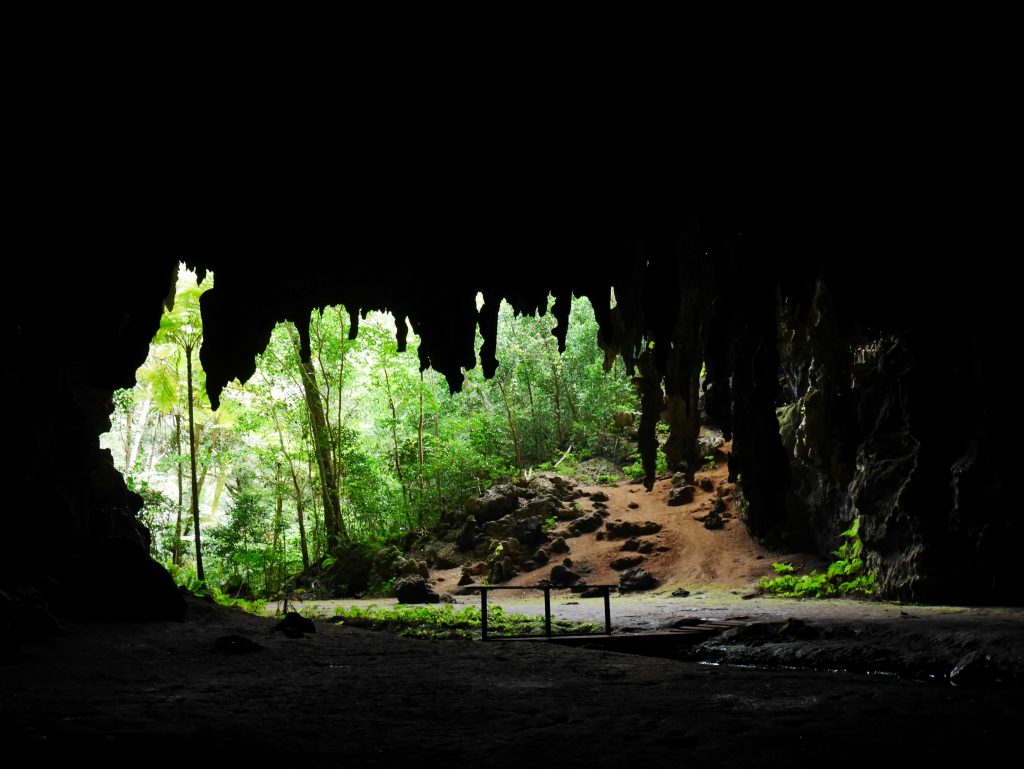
x=180 y=691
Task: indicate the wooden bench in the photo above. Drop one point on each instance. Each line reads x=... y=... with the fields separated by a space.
x=605 y=593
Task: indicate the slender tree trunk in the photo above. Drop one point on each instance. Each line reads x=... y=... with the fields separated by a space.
x=334 y=526
x=419 y=433
x=533 y=415
x=394 y=431
x=437 y=471
x=278 y=528
x=176 y=558
x=192 y=464
x=511 y=424
x=558 y=404
x=136 y=443
x=298 y=496
x=128 y=413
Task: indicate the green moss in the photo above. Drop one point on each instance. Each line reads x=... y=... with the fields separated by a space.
x=446 y=621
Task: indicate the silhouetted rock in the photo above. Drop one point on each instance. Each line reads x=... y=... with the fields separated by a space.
x=706 y=484
x=598 y=496
x=541 y=557
x=681 y=496
x=545 y=506
x=634 y=580
x=414 y=589
x=494 y=503
x=633 y=505
x=586 y=524
x=618 y=529
x=467 y=534
x=563 y=577
x=294 y=625
x=530 y=531
x=558 y=545
x=631 y=544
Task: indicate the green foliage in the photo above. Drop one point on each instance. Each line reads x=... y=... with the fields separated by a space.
x=846 y=576
x=636 y=469
x=709 y=463
x=550 y=523
x=446 y=621
x=402 y=452
x=608 y=479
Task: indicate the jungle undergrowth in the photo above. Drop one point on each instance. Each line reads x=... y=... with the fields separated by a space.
x=846 y=576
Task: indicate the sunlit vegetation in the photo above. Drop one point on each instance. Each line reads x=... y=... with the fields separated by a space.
x=847 y=575
x=356 y=447
x=446 y=621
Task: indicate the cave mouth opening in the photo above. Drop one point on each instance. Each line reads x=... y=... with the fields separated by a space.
x=319 y=461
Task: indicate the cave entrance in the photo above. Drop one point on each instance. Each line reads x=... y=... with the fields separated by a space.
x=310 y=470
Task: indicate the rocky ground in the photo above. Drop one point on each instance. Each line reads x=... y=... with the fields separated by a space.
x=225 y=685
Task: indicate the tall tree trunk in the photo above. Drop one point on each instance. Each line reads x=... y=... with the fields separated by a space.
x=558 y=405
x=511 y=424
x=394 y=432
x=298 y=496
x=278 y=529
x=136 y=443
x=419 y=435
x=176 y=558
x=334 y=526
x=533 y=415
x=437 y=471
x=192 y=464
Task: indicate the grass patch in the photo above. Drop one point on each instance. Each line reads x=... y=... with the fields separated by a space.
x=446 y=621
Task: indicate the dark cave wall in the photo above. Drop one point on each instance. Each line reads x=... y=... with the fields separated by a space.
x=911 y=442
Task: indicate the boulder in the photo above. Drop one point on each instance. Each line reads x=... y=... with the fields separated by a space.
x=501 y=528
x=530 y=531
x=414 y=589
x=678 y=479
x=544 y=505
x=682 y=495
x=541 y=485
x=618 y=529
x=442 y=555
x=465 y=579
x=541 y=557
x=633 y=505
x=631 y=544
x=494 y=503
x=598 y=496
x=502 y=570
x=294 y=625
x=586 y=524
x=706 y=484
x=384 y=565
x=558 y=545
x=646 y=547
x=636 y=579
x=562 y=576
x=406 y=567
x=466 y=536
x=627 y=562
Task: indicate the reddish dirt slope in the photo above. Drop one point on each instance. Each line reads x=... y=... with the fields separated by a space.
x=686 y=553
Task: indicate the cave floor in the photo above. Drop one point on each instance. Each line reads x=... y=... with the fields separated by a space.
x=373 y=699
